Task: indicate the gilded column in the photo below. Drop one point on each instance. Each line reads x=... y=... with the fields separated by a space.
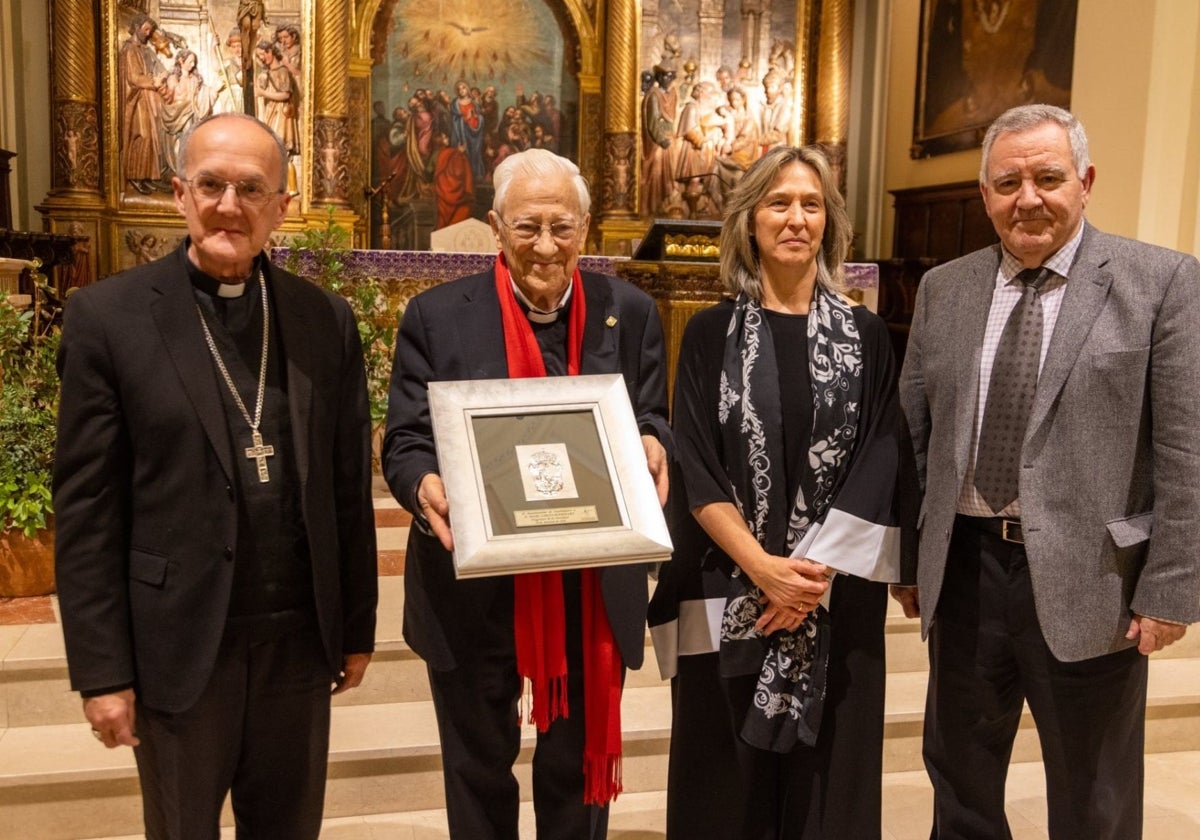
x=619 y=193
x=801 y=104
x=833 y=79
x=330 y=156
x=75 y=203
x=75 y=132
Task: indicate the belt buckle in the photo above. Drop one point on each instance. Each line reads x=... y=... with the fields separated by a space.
x=1007 y=526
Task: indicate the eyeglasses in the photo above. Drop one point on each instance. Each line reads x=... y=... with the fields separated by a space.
x=248 y=192
x=527 y=230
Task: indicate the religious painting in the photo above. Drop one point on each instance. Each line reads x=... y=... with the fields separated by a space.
x=458 y=85
x=177 y=65
x=717 y=92
x=978 y=58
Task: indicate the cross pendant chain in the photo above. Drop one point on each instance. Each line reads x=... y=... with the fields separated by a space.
x=260 y=453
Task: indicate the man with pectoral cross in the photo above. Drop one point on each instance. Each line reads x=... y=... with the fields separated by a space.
x=215 y=543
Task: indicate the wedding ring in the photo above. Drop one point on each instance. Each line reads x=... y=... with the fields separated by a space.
x=96 y=732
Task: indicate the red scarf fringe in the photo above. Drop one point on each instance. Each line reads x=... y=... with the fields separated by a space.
x=539 y=622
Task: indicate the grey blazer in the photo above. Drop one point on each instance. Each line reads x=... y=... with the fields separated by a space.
x=1110 y=479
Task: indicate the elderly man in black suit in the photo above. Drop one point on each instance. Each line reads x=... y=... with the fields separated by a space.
x=215 y=537
x=534 y=314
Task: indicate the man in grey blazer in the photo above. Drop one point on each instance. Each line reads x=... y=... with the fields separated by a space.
x=1055 y=591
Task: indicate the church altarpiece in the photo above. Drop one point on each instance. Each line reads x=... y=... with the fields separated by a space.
x=391 y=103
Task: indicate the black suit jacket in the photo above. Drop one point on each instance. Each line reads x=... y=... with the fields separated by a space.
x=454 y=332
x=144 y=490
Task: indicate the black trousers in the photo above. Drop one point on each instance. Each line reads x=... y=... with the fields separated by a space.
x=720 y=787
x=478 y=723
x=988 y=656
x=259 y=731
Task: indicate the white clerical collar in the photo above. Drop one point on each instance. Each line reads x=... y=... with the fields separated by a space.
x=231 y=290
x=542 y=316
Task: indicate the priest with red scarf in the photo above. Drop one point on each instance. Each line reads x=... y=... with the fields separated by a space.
x=570 y=634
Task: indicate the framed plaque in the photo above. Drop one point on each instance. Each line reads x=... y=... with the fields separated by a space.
x=545 y=473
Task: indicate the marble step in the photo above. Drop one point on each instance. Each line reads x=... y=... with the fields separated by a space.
x=34 y=689
x=57 y=782
x=1172 y=809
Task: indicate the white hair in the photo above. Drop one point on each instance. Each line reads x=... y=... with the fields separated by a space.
x=538 y=165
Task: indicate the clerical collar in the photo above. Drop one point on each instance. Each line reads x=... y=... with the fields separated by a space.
x=541 y=316
x=213 y=287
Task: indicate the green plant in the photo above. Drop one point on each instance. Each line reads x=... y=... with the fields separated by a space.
x=28 y=411
x=319 y=254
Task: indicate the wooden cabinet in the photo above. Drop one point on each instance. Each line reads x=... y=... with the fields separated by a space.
x=940 y=222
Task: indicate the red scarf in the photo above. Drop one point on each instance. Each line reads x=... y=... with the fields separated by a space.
x=539 y=624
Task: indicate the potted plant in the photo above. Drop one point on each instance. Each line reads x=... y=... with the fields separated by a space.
x=28 y=411
x=319 y=254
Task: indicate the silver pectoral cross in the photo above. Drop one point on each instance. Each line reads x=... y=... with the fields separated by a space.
x=260 y=454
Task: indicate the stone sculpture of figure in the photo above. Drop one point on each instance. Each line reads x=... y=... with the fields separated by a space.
x=671 y=51
x=659 y=110
x=288 y=38
x=275 y=87
x=143 y=246
x=725 y=79
x=783 y=56
x=777 y=112
x=189 y=100
x=71 y=140
x=742 y=146
x=698 y=137
x=142 y=92
x=250 y=14
x=466 y=127
x=80 y=271
x=233 y=77
x=331 y=169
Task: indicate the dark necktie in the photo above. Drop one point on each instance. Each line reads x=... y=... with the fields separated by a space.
x=1010 y=396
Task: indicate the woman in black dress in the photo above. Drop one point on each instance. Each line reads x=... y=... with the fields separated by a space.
x=770 y=616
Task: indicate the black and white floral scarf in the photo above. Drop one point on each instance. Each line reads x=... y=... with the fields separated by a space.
x=789 y=698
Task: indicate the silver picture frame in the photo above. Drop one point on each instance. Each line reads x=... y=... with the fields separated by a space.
x=544 y=474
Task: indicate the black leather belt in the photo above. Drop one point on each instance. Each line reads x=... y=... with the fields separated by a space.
x=1008 y=530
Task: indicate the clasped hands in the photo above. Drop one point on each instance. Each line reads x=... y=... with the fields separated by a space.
x=792 y=588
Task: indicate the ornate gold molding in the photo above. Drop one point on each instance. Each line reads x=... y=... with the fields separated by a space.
x=331 y=152
x=621 y=73
x=833 y=70
x=618 y=192
x=332 y=52
x=75 y=129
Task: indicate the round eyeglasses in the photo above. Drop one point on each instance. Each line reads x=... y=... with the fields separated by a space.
x=248 y=192
x=527 y=230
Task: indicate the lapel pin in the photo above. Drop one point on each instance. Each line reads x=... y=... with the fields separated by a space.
x=611 y=321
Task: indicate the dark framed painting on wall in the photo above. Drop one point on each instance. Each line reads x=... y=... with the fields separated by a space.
x=978 y=58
